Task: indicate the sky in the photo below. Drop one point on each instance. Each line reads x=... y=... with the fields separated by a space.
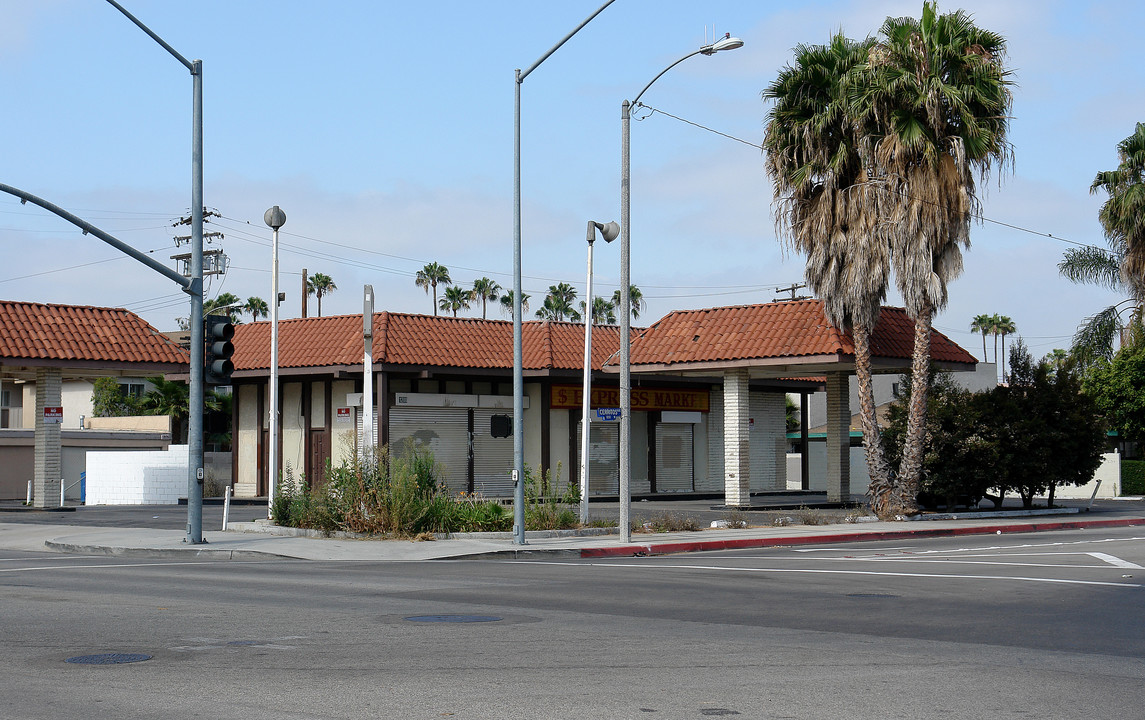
x=384 y=130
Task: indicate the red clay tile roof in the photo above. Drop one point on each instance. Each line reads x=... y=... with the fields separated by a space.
x=421 y=340
x=775 y=330
x=37 y=331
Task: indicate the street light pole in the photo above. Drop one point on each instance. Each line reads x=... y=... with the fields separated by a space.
x=609 y=232
x=518 y=370
x=725 y=43
x=195 y=401
x=275 y=218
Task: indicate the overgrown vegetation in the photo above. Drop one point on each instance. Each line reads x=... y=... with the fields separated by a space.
x=404 y=495
x=1133 y=477
x=1030 y=437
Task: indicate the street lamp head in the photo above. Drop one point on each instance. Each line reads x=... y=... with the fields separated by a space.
x=608 y=231
x=727 y=42
x=274 y=217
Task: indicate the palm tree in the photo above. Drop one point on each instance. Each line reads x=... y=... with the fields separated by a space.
x=230 y=301
x=559 y=303
x=429 y=276
x=603 y=311
x=485 y=290
x=1122 y=267
x=507 y=302
x=635 y=301
x=1005 y=326
x=456 y=298
x=319 y=285
x=257 y=308
x=982 y=324
x=828 y=209
x=937 y=94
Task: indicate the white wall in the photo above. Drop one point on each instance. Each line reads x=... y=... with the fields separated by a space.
x=155 y=477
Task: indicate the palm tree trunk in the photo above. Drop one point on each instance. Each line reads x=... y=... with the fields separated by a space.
x=435 y=299
x=881 y=487
x=983 y=346
x=911 y=468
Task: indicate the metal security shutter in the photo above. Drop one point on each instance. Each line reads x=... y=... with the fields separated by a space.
x=673 y=457
x=492 y=457
x=443 y=431
x=359 y=414
x=603 y=458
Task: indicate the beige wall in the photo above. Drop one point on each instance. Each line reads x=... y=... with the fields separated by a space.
x=245 y=441
x=293 y=437
x=342 y=438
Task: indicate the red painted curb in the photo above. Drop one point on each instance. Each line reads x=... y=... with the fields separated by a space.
x=668 y=548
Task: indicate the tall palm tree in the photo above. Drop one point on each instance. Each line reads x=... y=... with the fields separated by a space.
x=507 y=302
x=559 y=303
x=257 y=308
x=938 y=95
x=636 y=303
x=485 y=290
x=829 y=210
x=1122 y=267
x=456 y=298
x=227 y=300
x=1005 y=326
x=603 y=311
x=319 y=285
x=982 y=324
x=429 y=276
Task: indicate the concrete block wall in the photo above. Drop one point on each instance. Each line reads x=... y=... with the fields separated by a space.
x=155 y=477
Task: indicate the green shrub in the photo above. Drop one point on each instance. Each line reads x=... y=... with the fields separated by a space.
x=1133 y=477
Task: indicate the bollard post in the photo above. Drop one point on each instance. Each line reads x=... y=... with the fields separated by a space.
x=29 y=493
x=226 y=506
x=63 y=489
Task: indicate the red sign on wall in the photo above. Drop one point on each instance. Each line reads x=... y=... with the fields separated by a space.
x=53 y=415
x=571 y=397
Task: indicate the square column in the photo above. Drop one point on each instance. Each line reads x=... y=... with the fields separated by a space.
x=838 y=437
x=46 y=486
x=737 y=463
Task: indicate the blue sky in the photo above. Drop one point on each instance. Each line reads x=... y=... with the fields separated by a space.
x=384 y=131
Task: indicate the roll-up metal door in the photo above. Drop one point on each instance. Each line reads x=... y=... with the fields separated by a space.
x=443 y=431
x=492 y=457
x=359 y=414
x=603 y=457
x=673 y=457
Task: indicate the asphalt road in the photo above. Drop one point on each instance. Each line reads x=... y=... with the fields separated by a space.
x=1041 y=625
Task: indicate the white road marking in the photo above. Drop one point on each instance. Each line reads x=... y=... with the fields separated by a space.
x=811 y=571
x=1114 y=561
x=201 y=563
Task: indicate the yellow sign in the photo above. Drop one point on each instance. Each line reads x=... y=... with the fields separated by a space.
x=653 y=399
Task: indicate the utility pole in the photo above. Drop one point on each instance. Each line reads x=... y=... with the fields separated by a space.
x=791 y=289
x=305 y=294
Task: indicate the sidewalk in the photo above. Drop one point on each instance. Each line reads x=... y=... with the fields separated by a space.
x=237 y=545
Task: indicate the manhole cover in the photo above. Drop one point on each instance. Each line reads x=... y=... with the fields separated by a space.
x=108 y=659
x=453 y=618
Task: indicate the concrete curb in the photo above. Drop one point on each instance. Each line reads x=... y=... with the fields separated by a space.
x=747 y=543
x=163 y=553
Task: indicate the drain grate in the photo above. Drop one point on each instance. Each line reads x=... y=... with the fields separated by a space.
x=453 y=618
x=108 y=659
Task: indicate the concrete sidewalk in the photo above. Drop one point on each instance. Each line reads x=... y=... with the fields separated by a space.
x=235 y=545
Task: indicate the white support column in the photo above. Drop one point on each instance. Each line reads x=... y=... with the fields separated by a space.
x=46 y=490
x=838 y=437
x=737 y=470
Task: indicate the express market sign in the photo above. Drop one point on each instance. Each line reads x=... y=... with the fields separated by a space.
x=570 y=397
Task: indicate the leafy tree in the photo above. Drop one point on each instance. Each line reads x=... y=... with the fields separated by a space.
x=1119 y=390
x=428 y=278
x=110 y=399
x=933 y=102
x=319 y=285
x=456 y=298
x=829 y=210
x=485 y=290
x=507 y=302
x=173 y=398
x=257 y=308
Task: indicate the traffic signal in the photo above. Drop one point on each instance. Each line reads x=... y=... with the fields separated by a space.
x=217 y=333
